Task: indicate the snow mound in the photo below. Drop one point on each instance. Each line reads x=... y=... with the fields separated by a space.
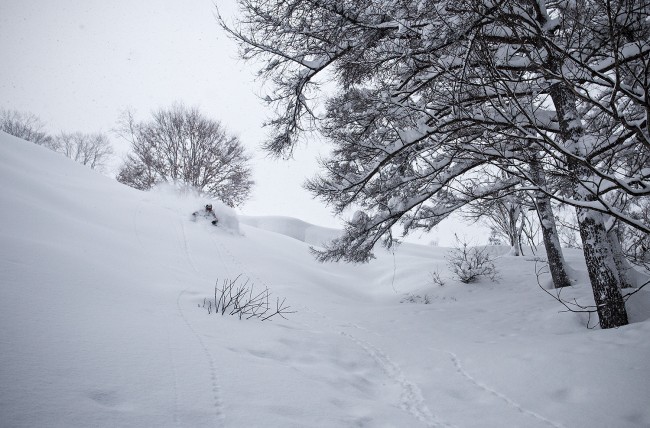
x=293 y=228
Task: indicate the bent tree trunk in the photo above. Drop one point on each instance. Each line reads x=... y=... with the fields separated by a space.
x=597 y=250
x=556 y=263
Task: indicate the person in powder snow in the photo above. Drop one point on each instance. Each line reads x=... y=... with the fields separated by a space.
x=208 y=213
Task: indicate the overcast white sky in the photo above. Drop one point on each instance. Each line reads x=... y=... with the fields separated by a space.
x=78 y=63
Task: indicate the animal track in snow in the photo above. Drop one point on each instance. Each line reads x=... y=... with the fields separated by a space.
x=219 y=413
x=412 y=400
x=174 y=378
x=511 y=403
x=411 y=397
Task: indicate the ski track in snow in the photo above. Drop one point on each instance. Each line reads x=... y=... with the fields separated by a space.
x=135 y=224
x=219 y=248
x=190 y=260
x=175 y=377
x=244 y=269
x=216 y=389
x=508 y=401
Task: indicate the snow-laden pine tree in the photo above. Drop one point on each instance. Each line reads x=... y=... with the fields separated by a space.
x=429 y=94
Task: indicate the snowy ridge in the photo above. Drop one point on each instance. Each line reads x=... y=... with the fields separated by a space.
x=293 y=228
x=101 y=289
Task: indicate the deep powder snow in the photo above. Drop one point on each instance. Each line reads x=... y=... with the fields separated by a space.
x=101 y=291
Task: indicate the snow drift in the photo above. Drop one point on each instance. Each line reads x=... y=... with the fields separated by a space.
x=294 y=228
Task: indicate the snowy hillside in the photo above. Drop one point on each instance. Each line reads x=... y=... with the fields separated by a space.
x=101 y=293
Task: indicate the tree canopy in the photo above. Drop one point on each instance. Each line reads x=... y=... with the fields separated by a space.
x=180 y=144
x=433 y=95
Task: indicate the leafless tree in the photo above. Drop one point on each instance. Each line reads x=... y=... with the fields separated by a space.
x=632 y=243
x=507 y=215
x=93 y=150
x=26 y=126
x=179 y=144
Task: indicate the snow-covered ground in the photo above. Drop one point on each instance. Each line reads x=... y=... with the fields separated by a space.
x=102 y=324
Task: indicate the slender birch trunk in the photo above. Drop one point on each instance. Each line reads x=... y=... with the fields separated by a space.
x=554 y=256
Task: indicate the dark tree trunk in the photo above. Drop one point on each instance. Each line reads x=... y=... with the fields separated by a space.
x=514 y=232
x=602 y=269
x=596 y=246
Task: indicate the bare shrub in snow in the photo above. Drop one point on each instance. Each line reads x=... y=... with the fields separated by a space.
x=436 y=279
x=635 y=243
x=240 y=299
x=468 y=264
x=416 y=298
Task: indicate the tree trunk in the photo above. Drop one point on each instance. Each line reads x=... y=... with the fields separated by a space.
x=514 y=212
x=602 y=269
x=622 y=265
x=596 y=247
x=515 y=244
x=554 y=256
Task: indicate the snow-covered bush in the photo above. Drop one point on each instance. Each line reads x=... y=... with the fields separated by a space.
x=468 y=264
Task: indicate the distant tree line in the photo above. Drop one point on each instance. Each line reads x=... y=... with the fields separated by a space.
x=178 y=145
x=91 y=149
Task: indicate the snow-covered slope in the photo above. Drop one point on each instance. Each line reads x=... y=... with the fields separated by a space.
x=101 y=289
